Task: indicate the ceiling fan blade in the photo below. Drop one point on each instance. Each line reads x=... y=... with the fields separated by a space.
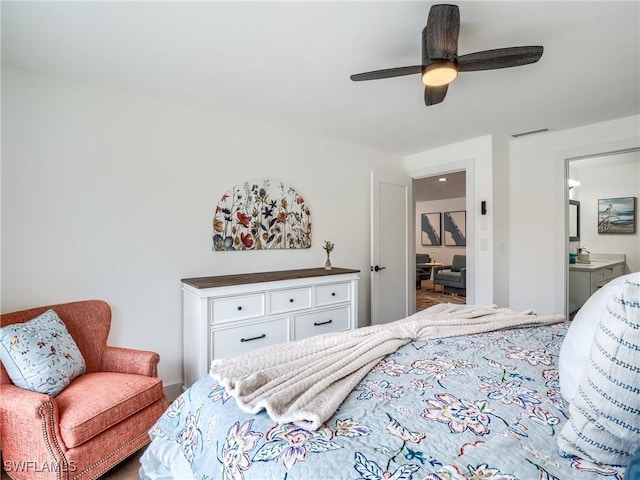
x=387 y=73
x=440 y=36
x=433 y=95
x=499 y=58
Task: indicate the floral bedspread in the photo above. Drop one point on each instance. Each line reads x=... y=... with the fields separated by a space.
x=486 y=406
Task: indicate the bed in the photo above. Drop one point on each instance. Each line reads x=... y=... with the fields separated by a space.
x=483 y=405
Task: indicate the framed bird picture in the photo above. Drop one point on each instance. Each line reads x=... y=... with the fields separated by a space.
x=617 y=215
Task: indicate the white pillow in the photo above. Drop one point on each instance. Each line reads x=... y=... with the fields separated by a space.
x=604 y=417
x=574 y=354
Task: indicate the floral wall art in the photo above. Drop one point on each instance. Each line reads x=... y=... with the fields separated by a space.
x=253 y=216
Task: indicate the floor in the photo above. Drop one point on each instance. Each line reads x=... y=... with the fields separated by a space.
x=126 y=470
x=426 y=296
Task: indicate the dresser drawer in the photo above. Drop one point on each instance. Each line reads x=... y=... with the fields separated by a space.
x=332 y=293
x=240 y=307
x=230 y=315
x=315 y=323
x=281 y=301
x=227 y=342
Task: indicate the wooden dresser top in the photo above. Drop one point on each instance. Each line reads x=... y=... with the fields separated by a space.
x=244 y=278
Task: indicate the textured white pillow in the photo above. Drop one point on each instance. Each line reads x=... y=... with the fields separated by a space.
x=604 y=417
x=574 y=354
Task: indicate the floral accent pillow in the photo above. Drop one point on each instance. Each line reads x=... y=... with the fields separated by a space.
x=40 y=355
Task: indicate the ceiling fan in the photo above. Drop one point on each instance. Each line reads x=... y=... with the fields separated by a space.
x=440 y=61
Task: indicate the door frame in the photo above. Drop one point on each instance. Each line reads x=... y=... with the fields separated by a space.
x=416 y=220
x=470 y=230
x=616 y=148
x=475 y=156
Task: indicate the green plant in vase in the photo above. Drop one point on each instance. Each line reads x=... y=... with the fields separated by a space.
x=328 y=247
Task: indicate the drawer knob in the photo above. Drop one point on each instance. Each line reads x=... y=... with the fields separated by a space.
x=239 y=307
x=291 y=300
x=333 y=294
x=253 y=338
x=317 y=324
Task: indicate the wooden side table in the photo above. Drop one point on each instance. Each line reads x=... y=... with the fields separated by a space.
x=432 y=265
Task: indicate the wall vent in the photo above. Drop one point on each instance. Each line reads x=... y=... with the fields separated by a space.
x=532 y=132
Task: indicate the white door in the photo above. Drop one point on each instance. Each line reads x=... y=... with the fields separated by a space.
x=390 y=280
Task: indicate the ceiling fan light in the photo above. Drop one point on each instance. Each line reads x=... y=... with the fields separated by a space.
x=440 y=73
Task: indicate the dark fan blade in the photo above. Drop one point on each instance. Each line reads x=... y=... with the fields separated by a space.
x=499 y=58
x=440 y=36
x=387 y=73
x=433 y=95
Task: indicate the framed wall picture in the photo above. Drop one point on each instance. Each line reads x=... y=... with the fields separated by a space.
x=617 y=215
x=261 y=215
x=455 y=228
x=431 y=229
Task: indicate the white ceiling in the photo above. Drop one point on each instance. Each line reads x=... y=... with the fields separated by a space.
x=289 y=62
x=432 y=188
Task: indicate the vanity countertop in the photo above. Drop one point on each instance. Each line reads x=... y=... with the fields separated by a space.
x=598 y=261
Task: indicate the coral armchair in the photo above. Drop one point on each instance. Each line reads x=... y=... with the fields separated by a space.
x=97 y=420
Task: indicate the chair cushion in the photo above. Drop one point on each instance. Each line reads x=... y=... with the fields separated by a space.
x=94 y=402
x=451 y=277
x=458 y=263
x=40 y=355
x=422 y=258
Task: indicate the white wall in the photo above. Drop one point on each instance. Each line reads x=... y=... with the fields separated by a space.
x=537 y=220
x=475 y=157
x=112 y=196
x=443 y=253
x=500 y=211
x=612 y=176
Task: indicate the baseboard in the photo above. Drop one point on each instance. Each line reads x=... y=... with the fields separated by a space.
x=173 y=391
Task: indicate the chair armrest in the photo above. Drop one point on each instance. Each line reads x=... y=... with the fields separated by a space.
x=463 y=273
x=442 y=267
x=128 y=360
x=29 y=426
x=17 y=401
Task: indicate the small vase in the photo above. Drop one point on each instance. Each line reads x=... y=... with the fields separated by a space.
x=327 y=264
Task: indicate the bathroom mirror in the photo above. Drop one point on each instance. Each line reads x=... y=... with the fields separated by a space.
x=574 y=221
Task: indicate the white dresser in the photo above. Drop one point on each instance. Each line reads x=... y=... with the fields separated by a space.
x=586 y=278
x=232 y=314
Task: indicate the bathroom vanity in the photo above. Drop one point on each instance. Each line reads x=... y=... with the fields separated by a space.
x=586 y=278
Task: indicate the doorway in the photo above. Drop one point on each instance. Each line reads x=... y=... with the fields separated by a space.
x=440 y=233
x=590 y=181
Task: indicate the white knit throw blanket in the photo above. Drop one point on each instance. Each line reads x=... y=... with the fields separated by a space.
x=305 y=381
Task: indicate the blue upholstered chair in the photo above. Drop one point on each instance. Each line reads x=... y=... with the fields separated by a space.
x=453 y=278
x=422 y=273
